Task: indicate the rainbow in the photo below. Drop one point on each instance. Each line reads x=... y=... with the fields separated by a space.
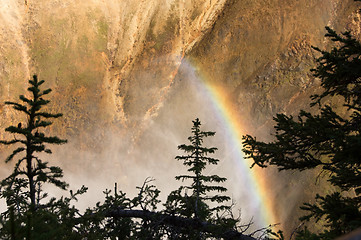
x=226 y=113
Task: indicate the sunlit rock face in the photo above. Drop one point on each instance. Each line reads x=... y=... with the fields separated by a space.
x=122 y=72
x=101 y=54
x=115 y=61
x=261 y=51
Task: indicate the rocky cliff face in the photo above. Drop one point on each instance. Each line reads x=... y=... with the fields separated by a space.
x=101 y=54
x=121 y=67
x=264 y=52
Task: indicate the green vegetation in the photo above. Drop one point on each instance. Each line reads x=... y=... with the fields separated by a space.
x=193 y=204
x=190 y=212
x=164 y=37
x=329 y=141
x=102 y=36
x=22 y=189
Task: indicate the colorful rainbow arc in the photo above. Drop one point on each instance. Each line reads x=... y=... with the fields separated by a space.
x=253 y=179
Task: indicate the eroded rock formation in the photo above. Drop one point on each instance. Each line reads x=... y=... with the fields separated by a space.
x=121 y=66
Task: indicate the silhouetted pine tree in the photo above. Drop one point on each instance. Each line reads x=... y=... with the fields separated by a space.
x=188 y=212
x=30 y=215
x=328 y=140
x=193 y=201
x=22 y=189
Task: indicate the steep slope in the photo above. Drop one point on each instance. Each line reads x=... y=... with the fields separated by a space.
x=103 y=53
x=261 y=52
x=126 y=74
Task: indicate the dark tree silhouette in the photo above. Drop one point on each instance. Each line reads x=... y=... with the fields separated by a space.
x=188 y=212
x=30 y=172
x=330 y=140
x=31 y=215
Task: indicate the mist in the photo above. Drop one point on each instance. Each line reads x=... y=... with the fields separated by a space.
x=128 y=157
x=121 y=75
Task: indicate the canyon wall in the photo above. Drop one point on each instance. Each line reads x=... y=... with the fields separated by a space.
x=100 y=54
x=120 y=69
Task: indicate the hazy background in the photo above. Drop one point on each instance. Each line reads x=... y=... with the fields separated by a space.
x=129 y=75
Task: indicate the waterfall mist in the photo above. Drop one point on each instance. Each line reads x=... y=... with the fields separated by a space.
x=119 y=75
x=128 y=158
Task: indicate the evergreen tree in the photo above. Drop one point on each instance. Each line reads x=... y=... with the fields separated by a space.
x=330 y=140
x=192 y=201
x=31 y=215
x=188 y=212
x=22 y=189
